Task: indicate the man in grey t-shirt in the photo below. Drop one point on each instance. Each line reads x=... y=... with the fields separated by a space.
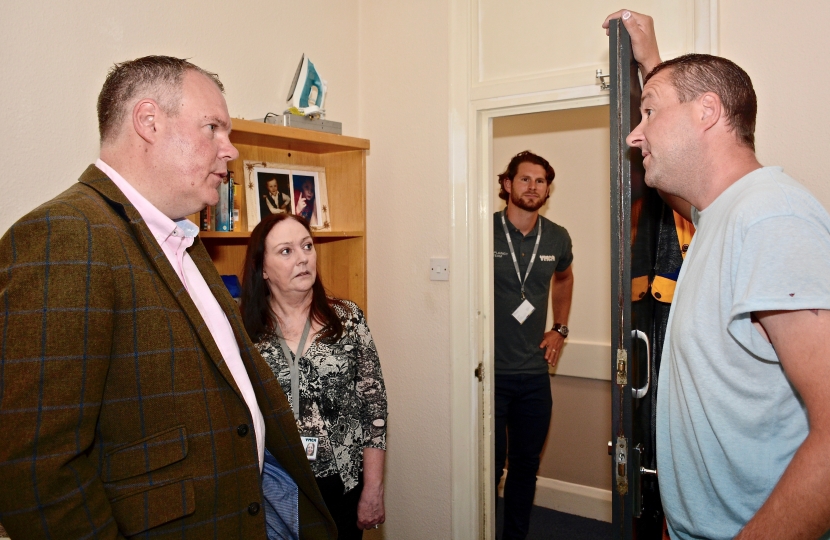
x=531 y=264
x=743 y=406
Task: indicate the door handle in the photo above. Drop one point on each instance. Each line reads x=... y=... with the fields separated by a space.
x=639 y=393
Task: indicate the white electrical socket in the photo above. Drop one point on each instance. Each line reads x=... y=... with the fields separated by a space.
x=439 y=269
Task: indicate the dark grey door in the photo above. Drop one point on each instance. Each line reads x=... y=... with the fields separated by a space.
x=638 y=320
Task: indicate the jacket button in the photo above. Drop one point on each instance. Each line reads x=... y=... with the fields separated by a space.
x=658 y=296
x=242 y=430
x=253 y=509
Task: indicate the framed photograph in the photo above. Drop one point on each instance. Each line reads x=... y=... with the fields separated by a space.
x=272 y=188
x=272 y=192
x=306 y=202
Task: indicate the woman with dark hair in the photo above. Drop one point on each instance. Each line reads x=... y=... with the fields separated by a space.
x=322 y=353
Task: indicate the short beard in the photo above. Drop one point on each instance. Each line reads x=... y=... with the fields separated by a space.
x=519 y=203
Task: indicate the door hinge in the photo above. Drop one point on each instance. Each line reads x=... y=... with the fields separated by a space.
x=622 y=367
x=621 y=460
x=479 y=372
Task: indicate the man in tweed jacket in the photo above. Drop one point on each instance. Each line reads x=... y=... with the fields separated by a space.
x=132 y=402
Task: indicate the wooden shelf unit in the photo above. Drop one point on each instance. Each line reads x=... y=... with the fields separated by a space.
x=341 y=252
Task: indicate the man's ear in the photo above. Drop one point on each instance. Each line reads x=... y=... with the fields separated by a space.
x=146 y=116
x=508 y=185
x=711 y=109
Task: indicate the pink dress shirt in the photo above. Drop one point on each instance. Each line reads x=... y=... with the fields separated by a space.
x=175 y=237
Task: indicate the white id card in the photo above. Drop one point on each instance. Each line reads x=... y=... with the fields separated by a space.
x=310 y=445
x=523 y=311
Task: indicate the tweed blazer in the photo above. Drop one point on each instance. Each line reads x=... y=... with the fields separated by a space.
x=118 y=415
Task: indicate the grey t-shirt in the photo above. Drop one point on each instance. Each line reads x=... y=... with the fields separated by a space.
x=728 y=420
x=517 y=345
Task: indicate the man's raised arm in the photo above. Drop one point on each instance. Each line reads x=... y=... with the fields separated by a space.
x=643 y=40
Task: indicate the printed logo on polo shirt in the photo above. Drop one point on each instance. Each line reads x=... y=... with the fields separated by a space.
x=547 y=258
x=500 y=254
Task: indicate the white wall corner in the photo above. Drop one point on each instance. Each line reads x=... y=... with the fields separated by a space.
x=467 y=500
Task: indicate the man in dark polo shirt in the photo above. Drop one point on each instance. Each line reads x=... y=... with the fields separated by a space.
x=531 y=265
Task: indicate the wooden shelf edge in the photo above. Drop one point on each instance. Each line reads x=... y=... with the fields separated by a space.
x=341 y=142
x=216 y=235
x=338 y=234
x=224 y=235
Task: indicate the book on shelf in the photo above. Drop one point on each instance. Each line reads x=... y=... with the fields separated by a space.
x=237 y=203
x=224 y=215
x=222 y=212
x=204 y=218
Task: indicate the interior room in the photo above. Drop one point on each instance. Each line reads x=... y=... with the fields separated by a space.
x=420 y=81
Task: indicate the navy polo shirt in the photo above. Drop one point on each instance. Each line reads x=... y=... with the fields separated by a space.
x=517 y=345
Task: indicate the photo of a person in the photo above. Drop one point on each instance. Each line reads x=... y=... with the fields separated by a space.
x=310 y=447
x=274 y=193
x=273 y=188
x=305 y=198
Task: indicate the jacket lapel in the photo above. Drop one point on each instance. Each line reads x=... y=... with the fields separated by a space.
x=282 y=437
x=100 y=182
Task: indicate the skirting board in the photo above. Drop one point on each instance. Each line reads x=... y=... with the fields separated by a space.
x=576 y=499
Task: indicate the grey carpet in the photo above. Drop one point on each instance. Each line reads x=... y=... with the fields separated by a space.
x=546 y=524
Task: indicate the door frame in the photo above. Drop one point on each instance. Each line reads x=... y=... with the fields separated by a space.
x=471 y=280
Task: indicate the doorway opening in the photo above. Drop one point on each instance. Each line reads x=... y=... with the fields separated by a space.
x=574 y=473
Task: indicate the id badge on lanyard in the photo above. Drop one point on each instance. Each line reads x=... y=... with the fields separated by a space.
x=523 y=311
x=310 y=444
x=525 y=308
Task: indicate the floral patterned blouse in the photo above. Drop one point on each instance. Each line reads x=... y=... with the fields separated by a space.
x=342 y=395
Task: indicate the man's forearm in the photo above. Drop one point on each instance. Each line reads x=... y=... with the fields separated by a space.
x=563 y=287
x=799 y=506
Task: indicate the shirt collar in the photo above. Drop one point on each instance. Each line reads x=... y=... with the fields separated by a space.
x=161 y=226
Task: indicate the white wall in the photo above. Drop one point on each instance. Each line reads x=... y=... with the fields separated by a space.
x=403 y=104
x=783 y=46
x=526 y=46
x=55 y=56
